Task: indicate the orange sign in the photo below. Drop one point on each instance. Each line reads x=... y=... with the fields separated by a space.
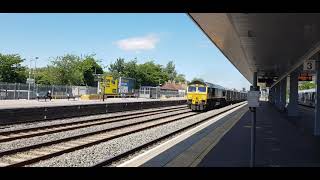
x=305 y=77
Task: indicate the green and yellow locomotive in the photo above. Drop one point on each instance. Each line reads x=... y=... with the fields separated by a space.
x=203 y=96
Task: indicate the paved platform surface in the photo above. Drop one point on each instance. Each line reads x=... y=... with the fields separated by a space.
x=281 y=141
x=9 y=104
x=188 y=148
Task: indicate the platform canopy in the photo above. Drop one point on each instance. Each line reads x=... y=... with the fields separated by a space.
x=273 y=44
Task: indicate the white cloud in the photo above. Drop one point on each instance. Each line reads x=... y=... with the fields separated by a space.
x=147 y=42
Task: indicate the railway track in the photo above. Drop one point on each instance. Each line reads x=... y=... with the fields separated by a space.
x=30 y=154
x=6 y=136
x=306 y=106
x=42 y=151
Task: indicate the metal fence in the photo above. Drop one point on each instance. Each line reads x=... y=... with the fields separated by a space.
x=22 y=91
x=157 y=92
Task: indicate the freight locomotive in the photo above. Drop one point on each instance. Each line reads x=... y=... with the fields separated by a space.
x=204 y=95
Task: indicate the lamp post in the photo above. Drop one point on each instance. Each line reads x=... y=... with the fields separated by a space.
x=35 y=67
x=29 y=78
x=159 y=90
x=34 y=75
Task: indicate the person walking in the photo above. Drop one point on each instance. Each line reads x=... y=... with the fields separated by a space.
x=49 y=95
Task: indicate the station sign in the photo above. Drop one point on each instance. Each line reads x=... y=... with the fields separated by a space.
x=305 y=77
x=309 y=65
x=98 y=77
x=253 y=98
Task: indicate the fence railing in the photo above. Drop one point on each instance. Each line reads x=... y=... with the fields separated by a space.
x=157 y=92
x=22 y=91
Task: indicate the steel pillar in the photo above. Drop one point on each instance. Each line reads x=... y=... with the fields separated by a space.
x=293 y=95
x=317 y=106
x=253 y=124
x=277 y=95
x=274 y=96
x=270 y=95
x=283 y=92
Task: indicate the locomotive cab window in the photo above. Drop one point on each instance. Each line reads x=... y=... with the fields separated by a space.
x=191 y=89
x=202 y=89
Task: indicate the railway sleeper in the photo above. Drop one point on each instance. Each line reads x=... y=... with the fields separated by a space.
x=26 y=156
x=2 y=164
x=37 y=152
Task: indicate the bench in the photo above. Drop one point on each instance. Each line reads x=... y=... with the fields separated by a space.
x=72 y=96
x=43 y=96
x=58 y=96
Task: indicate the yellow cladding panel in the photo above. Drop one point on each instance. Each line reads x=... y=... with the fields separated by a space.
x=197 y=97
x=110 y=85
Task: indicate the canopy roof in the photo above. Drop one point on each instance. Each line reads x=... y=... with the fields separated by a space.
x=272 y=44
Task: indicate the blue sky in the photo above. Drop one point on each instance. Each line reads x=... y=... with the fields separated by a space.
x=159 y=37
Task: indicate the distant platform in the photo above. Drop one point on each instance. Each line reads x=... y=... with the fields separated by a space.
x=23 y=103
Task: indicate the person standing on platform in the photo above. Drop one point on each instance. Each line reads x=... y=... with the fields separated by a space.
x=49 y=95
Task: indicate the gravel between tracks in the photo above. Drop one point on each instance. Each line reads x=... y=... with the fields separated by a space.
x=55 y=136
x=94 y=154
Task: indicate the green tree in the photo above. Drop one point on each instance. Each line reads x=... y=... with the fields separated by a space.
x=90 y=67
x=180 y=78
x=46 y=75
x=170 y=69
x=11 y=69
x=68 y=70
x=197 y=79
x=307 y=85
x=150 y=74
x=131 y=68
x=146 y=74
x=117 y=68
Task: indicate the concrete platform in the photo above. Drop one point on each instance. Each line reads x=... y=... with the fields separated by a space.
x=188 y=148
x=22 y=103
x=36 y=111
x=281 y=141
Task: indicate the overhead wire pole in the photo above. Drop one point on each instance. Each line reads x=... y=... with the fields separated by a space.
x=35 y=67
x=29 y=78
x=34 y=75
x=253 y=124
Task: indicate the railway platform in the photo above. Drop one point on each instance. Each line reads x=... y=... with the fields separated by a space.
x=281 y=141
x=29 y=111
x=23 y=103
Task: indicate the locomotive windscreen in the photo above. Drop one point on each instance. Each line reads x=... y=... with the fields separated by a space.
x=191 y=89
x=202 y=89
